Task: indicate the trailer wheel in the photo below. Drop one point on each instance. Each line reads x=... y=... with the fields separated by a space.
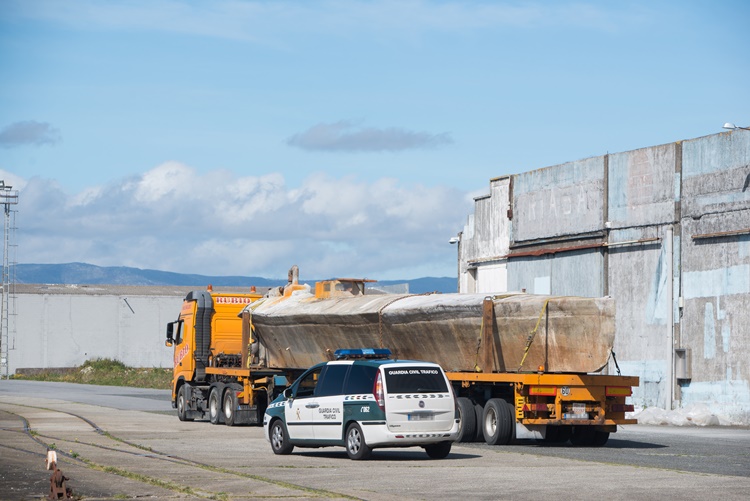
x=479 y=411
x=214 y=405
x=439 y=450
x=499 y=422
x=356 y=448
x=182 y=399
x=280 y=439
x=583 y=436
x=600 y=438
x=230 y=404
x=558 y=434
x=468 y=425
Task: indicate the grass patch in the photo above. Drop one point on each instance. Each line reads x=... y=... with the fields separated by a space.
x=104 y=371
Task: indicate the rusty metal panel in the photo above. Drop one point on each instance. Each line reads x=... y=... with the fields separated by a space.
x=560 y=200
x=641 y=186
x=575 y=334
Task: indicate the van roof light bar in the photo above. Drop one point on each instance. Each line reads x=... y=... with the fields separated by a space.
x=367 y=353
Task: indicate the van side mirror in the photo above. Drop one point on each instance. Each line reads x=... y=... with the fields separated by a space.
x=288 y=394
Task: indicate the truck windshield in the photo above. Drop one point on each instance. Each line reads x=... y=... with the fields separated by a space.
x=415 y=380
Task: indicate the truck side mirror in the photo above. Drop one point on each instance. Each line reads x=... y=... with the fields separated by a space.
x=174 y=333
x=170 y=334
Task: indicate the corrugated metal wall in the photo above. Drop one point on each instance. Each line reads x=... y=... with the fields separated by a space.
x=665 y=230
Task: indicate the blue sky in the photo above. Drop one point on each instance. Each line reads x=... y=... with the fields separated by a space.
x=348 y=137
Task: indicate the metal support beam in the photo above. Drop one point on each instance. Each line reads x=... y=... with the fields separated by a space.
x=8 y=198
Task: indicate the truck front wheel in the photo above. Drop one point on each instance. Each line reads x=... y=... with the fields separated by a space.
x=182 y=400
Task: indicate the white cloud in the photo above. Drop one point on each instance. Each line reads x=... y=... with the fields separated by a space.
x=170 y=180
x=347 y=136
x=173 y=218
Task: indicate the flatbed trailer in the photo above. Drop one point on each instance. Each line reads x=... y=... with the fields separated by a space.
x=522 y=366
x=501 y=407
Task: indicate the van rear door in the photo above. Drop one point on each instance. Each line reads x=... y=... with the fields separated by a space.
x=417 y=398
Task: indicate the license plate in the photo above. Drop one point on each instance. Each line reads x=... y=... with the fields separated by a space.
x=420 y=417
x=579 y=412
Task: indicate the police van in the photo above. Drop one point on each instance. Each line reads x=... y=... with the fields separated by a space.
x=365 y=400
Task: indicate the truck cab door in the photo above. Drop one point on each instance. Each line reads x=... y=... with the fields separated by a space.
x=183 y=335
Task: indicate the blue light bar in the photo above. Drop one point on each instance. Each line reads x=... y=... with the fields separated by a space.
x=362 y=353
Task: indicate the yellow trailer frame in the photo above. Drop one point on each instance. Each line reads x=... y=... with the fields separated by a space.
x=560 y=399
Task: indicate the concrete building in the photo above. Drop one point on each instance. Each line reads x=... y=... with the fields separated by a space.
x=65 y=325
x=665 y=230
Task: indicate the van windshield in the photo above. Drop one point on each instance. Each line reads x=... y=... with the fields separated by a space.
x=415 y=380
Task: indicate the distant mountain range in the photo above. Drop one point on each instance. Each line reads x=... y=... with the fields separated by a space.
x=82 y=273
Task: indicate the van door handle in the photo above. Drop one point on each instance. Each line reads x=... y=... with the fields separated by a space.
x=312 y=406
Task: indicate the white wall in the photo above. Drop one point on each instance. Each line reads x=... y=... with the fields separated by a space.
x=65 y=330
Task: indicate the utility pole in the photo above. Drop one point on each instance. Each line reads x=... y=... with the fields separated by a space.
x=8 y=198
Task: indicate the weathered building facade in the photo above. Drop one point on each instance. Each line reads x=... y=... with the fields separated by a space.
x=66 y=325
x=665 y=230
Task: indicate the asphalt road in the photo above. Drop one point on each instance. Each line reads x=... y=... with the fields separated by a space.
x=116 y=443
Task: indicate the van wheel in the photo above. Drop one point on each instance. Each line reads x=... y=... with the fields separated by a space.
x=467 y=431
x=439 y=450
x=356 y=448
x=230 y=404
x=214 y=405
x=499 y=422
x=279 y=439
x=182 y=399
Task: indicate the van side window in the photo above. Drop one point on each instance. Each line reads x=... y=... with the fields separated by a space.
x=306 y=386
x=361 y=380
x=332 y=380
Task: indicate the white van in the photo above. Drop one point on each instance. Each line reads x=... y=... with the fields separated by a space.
x=362 y=401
